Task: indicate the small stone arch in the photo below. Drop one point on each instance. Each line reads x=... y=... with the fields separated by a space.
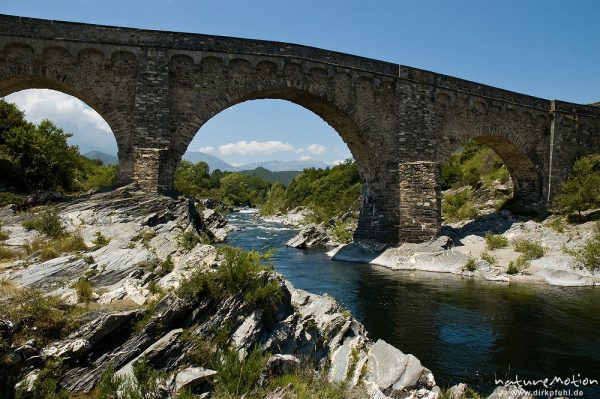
x=523 y=171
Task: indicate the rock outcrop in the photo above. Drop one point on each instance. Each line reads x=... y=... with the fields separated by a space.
x=311 y=236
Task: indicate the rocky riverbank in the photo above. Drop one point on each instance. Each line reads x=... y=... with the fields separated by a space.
x=134 y=309
x=463 y=249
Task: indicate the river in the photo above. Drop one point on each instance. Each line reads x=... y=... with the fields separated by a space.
x=464 y=330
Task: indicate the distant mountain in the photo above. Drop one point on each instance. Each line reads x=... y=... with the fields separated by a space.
x=107 y=159
x=212 y=161
x=284 y=177
x=280 y=166
x=273 y=166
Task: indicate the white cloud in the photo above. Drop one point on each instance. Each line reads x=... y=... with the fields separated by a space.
x=49 y=104
x=306 y=158
x=244 y=147
x=88 y=128
x=338 y=162
x=316 y=148
x=207 y=149
x=300 y=150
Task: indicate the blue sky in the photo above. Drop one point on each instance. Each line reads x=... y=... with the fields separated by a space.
x=547 y=48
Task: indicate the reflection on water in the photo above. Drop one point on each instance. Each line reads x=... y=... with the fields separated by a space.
x=464 y=330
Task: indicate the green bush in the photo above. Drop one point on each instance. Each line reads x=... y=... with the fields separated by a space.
x=589 y=253
x=189 y=239
x=326 y=193
x=495 y=241
x=581 y=190
x=10 y=198
x=470 y=265
x=36 y=315
x=239 y=376
x=529 y=249
x=458 y=206
x=46 y=385
x=47 y=222
x=100 y=240
x=167 y=265
x=486 y=256
x=340 y=233
x=52 y=248
x=240 y=272
x=517 y=265
x=84 y=290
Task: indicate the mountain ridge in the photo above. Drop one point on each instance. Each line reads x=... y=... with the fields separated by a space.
x=217 y=163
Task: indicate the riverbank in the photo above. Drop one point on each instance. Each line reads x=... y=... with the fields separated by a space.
x=463 y=250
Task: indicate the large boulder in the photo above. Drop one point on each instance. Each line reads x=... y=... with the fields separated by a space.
x=394 y=372
x=311 y=236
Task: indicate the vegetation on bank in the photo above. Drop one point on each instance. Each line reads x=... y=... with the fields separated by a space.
x=581 y=191
x=38 y=157
x=327 y=193
x=474 y=167
x=230 y=188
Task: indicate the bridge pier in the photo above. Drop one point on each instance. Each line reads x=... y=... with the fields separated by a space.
x=420 y=201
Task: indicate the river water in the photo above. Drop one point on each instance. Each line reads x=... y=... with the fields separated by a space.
x=464 y=330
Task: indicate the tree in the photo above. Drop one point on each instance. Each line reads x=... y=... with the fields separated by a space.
x=581 y=190
x=42 y=156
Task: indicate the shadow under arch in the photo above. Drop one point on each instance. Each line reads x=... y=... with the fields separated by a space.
x=330 y=113
x=21 y=83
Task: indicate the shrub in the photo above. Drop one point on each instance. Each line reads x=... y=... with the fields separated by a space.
x=470 y=265
x=189 y=239
x=70 y=243
x=84 y=290
x=457 y=206
x=341 y=233
x=581 y=190
x=557 y=225
x=36 y=315
x=45 y=386
x=10 y=198
x=100 y=240
x=529 y=249
x=144 y=237
x=495 y=241
x=517 y=265
x=8 y=253
x=109 y=384
x=50 y=249
x=167 y=265
x=489 y=258
x=238 y=376
x=3 y=234
x=89 y=259
x=241 y=272
x=304 y=383
x=48 y=223
x=589 y=253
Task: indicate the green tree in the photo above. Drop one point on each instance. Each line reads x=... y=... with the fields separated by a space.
x=581 y=190
x=193 y=179
x=42 y=156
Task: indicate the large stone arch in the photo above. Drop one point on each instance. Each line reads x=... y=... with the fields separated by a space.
x=355 y=106
x=77 y=74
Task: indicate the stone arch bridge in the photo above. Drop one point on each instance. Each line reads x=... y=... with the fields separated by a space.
x=156 y=89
